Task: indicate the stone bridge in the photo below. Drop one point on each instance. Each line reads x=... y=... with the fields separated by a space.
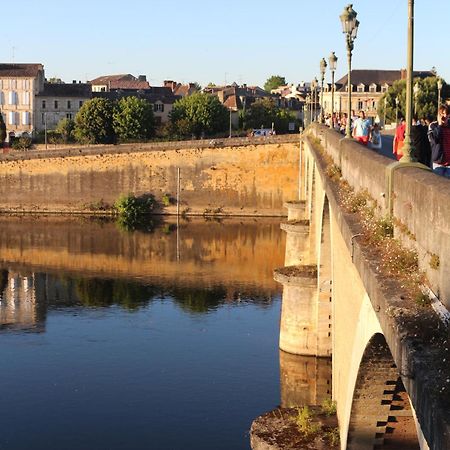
x=367 y=283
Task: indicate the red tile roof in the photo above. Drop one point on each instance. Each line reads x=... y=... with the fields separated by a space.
x=20 y=70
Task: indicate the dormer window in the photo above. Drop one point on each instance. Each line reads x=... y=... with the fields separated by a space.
x=361 y=87
x=385 y=87
x=373 y=87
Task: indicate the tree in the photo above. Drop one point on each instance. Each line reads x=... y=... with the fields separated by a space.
x=2 y=130
x=133 y=119
x=263 y=113
x=94 y=122
x=425 y=101
x=65 y=129
x=199 y=113
x=274 y=82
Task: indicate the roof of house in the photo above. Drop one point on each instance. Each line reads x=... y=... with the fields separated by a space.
x=148 y=94
x=185 y=89
x=233 y=102
x=83 y=90
x=121 y=81
x=379 y=77
x=20 y=70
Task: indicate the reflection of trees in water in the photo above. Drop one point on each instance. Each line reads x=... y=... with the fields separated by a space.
x=99 y=292
x=67 y=291
x=3 y=280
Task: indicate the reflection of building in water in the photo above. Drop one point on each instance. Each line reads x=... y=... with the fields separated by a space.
x=305 y=380
x=19 y=305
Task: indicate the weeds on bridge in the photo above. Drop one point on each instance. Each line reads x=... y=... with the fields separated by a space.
x=396 y=260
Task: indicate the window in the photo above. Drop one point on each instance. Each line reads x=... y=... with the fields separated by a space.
x=26 y=84
x=25 y=118
x=373 y=88
x=360 y=105
x=12 y=98
x=158 y=107
x=384 y=88
x=2 y=98
x=44 y=104
x=69 y=104
x=43 y=118
x=13 y=84
x=80 y=103
x=12 y=118
x=69 y=116
x=361 y=88
x=26 y=98
x=55 y=104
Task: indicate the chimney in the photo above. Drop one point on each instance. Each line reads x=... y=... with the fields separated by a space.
x=142 y=78
x=403 y=74
x=170 y=84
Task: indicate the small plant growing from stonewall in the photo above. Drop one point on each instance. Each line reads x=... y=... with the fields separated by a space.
x=305 y=423
x=328 y=407
x=166 y=200
x=434 y=261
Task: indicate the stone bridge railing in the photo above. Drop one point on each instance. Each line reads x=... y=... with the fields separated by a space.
x=420 y=203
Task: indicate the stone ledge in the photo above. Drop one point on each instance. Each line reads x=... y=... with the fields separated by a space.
x=301 y=275
x=295 y=226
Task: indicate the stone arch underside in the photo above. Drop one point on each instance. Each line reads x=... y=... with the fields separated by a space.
x=381 y=415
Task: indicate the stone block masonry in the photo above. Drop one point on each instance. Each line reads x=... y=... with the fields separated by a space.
x=253 y=179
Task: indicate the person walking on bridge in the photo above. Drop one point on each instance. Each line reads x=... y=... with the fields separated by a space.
x=439 y=136
x=361 y=128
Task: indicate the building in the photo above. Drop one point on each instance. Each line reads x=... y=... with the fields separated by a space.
x=368 y=86
x=123 y=82
x=19 y=85
x=59 y=101
x=181 y=90
x=162 y=99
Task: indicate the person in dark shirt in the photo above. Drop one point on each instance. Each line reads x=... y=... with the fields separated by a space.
x=420 y=143
x=439 y=136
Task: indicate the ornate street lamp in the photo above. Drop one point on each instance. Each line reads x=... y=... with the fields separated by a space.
x=439 y=86
x=323 y=68
x=308 y=102
x=350 y=28
x=333 y=62
x=314 y=84
x=407 y=147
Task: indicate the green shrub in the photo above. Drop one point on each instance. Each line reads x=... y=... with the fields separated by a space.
x=166 y=200
x=22 y=143
x=305 y=424
x=132 y=207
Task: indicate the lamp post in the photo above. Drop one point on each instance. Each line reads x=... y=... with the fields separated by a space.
x=407 y=146
x=384 y=115
x=350 y=28
x=333 y=62
x=306 y=112
x=314 y=84
x=323 y=68
x=439 y=86
x=416 y=96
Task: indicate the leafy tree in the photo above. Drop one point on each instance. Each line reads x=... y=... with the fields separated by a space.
x=197 y=114
x=94 y=122
x=2 y=130
x=274 y=82
x=65 y=129
x=133 y=119
x=264 y=112
x=425 y=101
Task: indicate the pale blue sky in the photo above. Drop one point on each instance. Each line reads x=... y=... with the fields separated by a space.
x=236 y=40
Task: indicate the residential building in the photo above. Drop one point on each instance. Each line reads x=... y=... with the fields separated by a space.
x=19 y=84
x=123 y=82
x=181 y=90
x=59 y=101
x=368 y=86
x=162 y=99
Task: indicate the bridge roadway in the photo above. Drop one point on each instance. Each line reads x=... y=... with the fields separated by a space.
x=391 y=376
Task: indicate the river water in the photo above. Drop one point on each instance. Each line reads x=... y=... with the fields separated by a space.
x=160 y=338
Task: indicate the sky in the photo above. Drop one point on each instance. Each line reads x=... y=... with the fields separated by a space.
x=245 y=41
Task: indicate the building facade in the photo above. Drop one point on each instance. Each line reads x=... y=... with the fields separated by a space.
x=19 y=85
x=59 y=101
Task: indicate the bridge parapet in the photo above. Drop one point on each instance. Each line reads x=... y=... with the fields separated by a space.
x=421 y=200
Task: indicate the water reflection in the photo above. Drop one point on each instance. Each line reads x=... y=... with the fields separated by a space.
x=304 y=380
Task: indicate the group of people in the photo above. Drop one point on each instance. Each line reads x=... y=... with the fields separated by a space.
x=430 y=141
x=362 y=129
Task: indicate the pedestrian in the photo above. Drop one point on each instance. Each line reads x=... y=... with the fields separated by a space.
x=361 y=128
x=399 y=139
x=420 y=142
x=375 y=137
x=439 y=136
